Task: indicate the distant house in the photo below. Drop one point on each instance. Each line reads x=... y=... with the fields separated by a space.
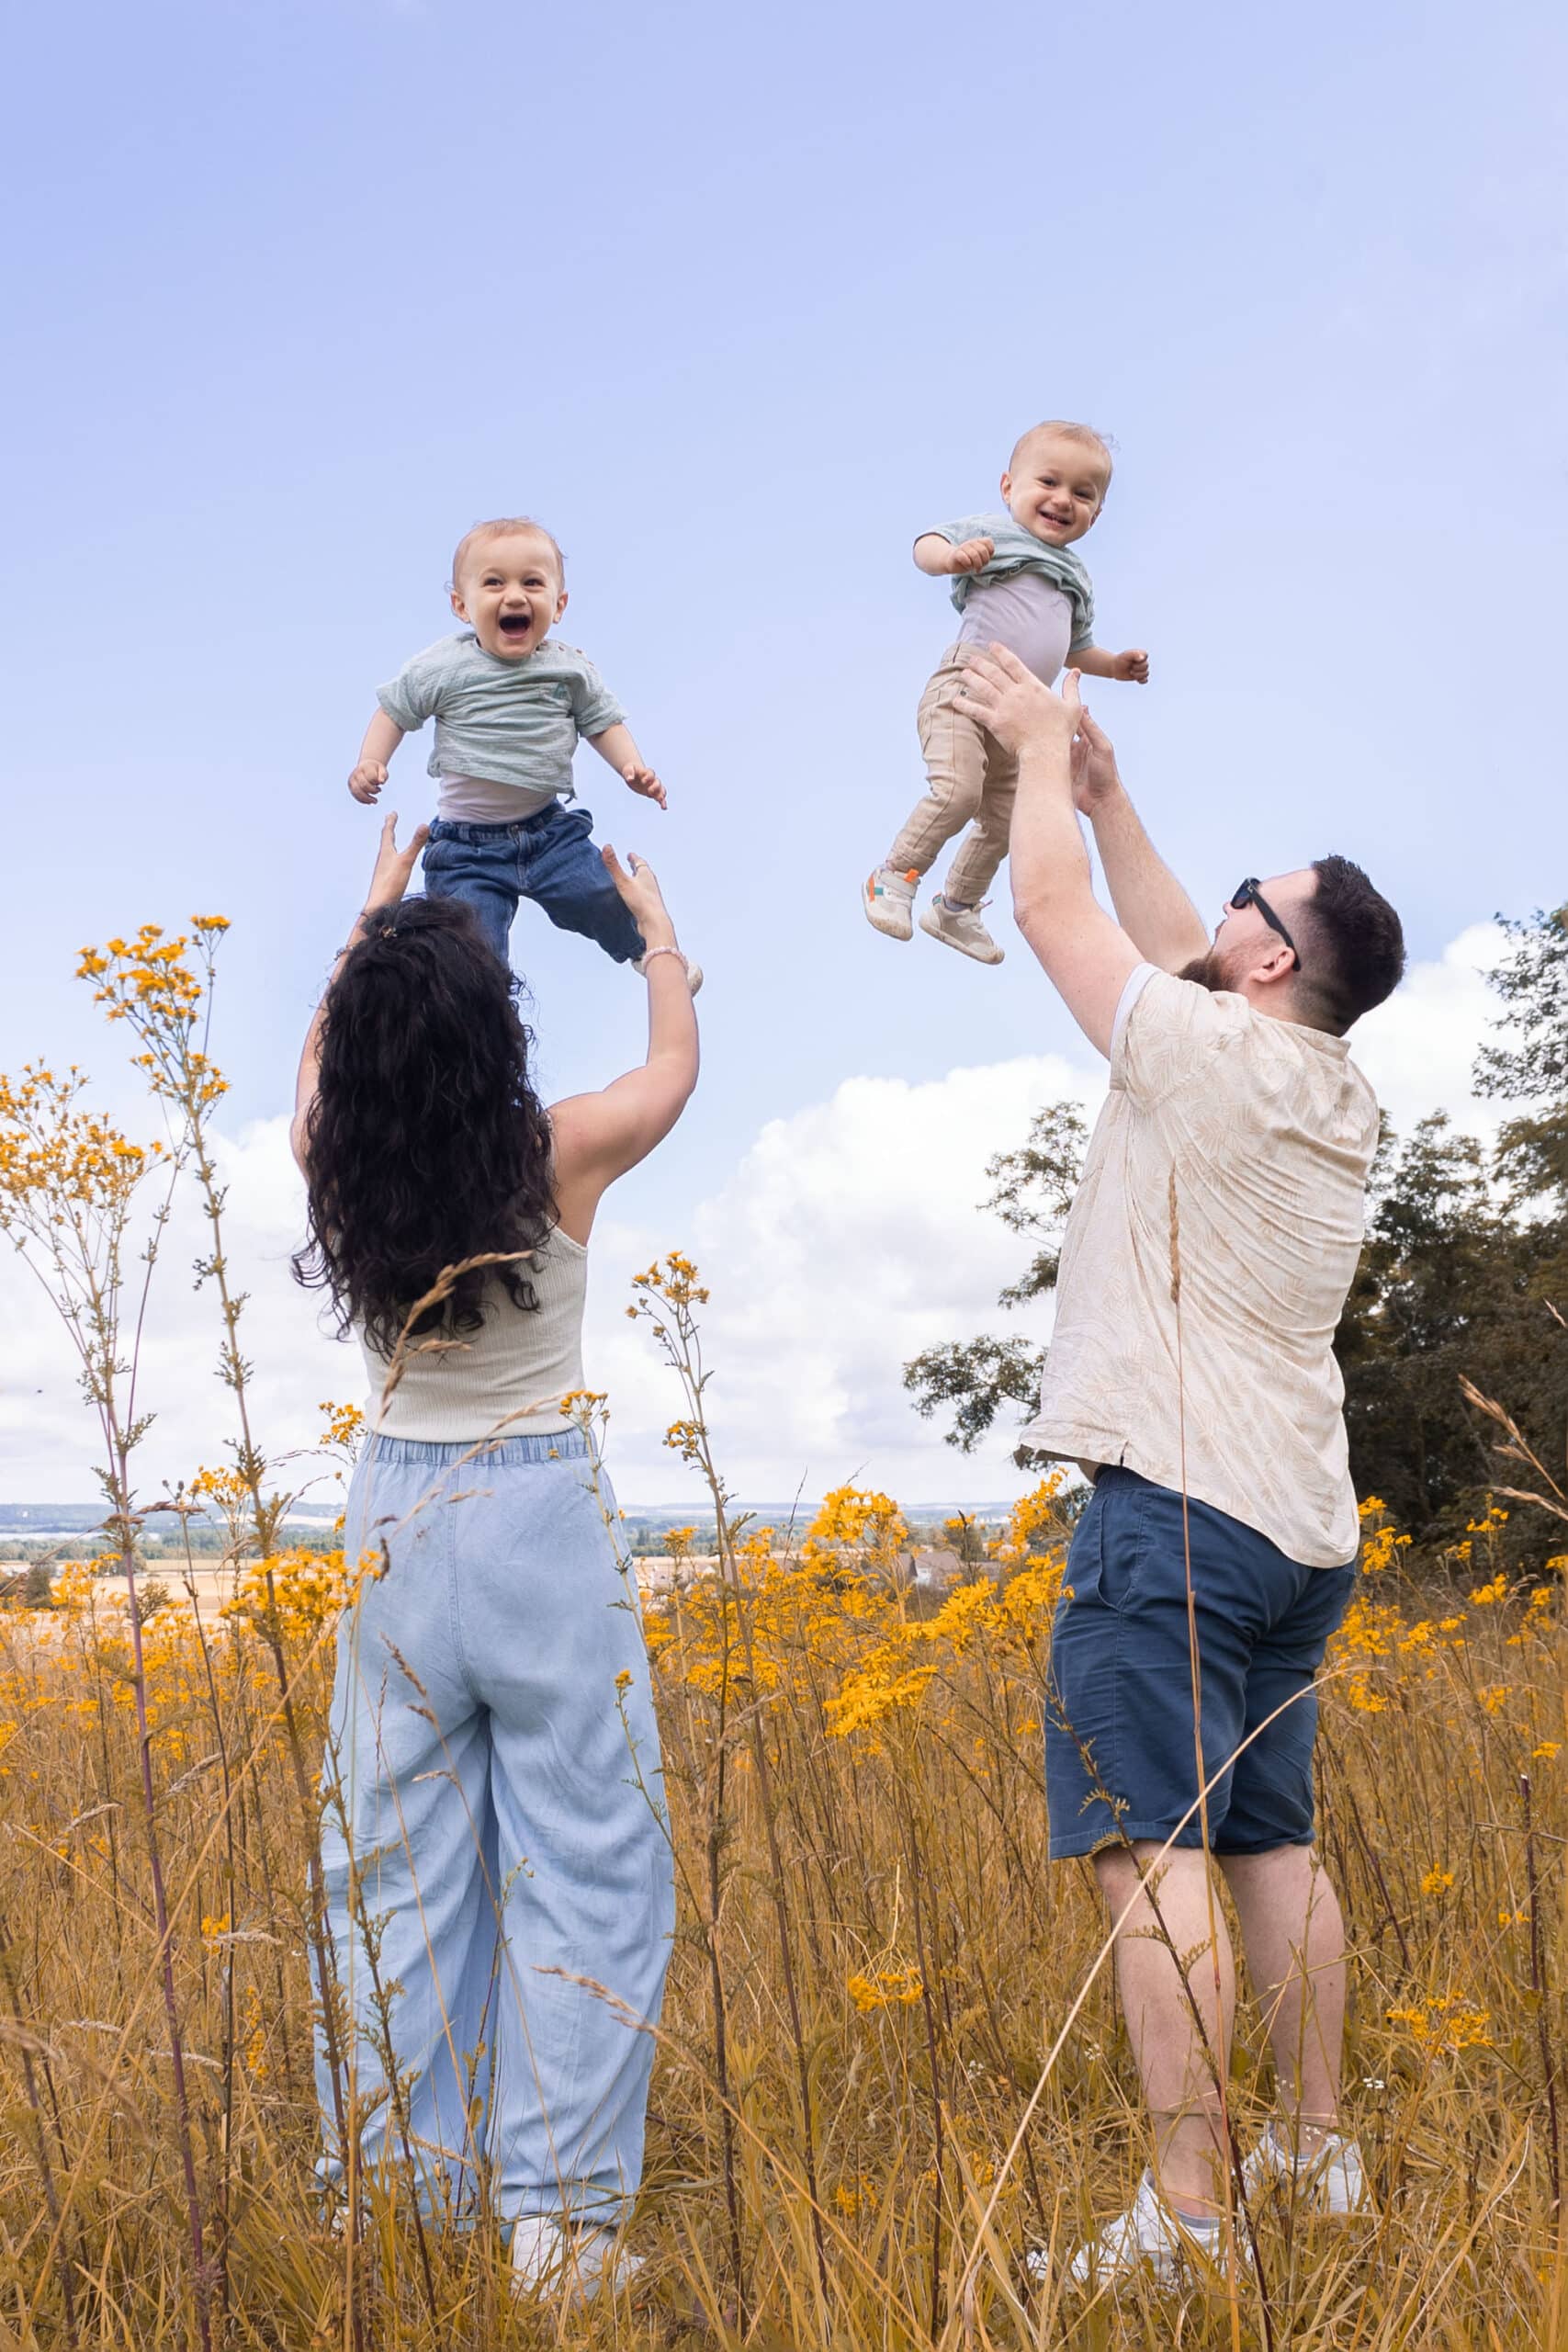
x=934 y=1566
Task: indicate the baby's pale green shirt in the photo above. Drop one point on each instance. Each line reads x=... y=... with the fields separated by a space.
x=1019 y=550
x=509 y=723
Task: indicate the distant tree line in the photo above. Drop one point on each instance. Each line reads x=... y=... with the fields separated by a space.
x=1464 y=1276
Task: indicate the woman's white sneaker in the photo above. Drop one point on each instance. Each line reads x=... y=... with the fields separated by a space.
x=961 y=927
x=578 y=2265
x=1330 y=2179
x=888 y=898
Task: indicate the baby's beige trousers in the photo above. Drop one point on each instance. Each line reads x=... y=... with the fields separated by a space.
x=970 y=781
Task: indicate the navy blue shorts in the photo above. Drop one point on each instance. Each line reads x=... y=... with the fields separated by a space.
x=1120 y=1758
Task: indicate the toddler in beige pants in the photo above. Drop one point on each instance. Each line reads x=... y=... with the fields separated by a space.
x=1015 y=582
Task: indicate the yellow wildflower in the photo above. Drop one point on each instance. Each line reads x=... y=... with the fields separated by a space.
x=890 y=1988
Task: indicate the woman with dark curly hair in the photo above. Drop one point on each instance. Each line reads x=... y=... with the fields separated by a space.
x=494 y=1831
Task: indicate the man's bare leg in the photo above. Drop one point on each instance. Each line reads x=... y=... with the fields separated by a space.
x=1175 y=2068
x=1294 y=1938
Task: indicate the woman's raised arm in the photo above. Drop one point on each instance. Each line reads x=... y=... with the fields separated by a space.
x=389 y=881
x=599 y=1136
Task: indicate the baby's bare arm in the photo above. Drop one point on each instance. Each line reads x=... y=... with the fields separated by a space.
x=939 y=556
x=1132 y=667
x=616 y=745
x=381 y=740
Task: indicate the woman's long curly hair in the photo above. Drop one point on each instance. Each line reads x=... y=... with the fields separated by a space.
x=426 y=1144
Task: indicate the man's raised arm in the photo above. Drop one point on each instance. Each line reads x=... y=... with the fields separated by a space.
x=1154 y=910
x=1086 y=956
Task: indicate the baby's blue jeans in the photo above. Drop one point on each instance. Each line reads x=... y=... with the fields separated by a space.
x=549 y=858
x=493 y=1769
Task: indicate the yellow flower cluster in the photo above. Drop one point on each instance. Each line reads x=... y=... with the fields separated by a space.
x=293 y=1595
x=1444 y=2021
x=149 y=981
x=58 y=1162
x=836 y=1626
x=890 y=1988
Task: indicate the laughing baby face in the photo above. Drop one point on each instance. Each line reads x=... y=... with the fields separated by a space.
x=507 y=587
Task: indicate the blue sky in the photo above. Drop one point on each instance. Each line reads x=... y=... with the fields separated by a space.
x=738 y=302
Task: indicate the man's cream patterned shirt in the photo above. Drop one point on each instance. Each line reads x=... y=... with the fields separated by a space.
x=1235 y=1149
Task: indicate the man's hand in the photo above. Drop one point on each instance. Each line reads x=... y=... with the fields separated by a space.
x=1009 y=701
x=367 y=779
x=1131 y=668
x=393 y=865
x=1095 y=775
x=971 y=555
x=643 y=780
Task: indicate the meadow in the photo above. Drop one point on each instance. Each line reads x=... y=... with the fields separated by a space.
x=890 y=2059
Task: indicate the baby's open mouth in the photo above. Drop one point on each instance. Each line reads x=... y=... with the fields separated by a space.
x=516 y=624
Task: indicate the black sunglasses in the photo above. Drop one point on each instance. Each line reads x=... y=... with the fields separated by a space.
x=1248 y=894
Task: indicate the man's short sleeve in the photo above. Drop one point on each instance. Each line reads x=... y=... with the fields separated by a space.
x=414 y=695
x=1175 y=1033
x=593 y=707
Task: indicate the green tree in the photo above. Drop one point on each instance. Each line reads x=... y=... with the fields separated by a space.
x=1530 y=1065
x=1031 y=1192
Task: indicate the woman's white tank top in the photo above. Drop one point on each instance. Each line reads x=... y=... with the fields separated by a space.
x=507 y=1378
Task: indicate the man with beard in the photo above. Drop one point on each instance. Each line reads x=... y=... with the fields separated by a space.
x=1191 y=1375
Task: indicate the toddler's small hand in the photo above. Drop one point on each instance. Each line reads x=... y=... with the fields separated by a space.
x=1133 y=667
x=367 y=779
x=643 y=780
x=971 y=555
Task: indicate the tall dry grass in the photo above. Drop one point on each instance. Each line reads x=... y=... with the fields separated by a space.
x=890 y=2059
x=854 y=1783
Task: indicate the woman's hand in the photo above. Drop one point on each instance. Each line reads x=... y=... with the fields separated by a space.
x=642 y=897
x=1011 y=704
x=393 y=865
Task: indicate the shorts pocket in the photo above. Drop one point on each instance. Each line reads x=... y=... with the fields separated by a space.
x=1123 y=1539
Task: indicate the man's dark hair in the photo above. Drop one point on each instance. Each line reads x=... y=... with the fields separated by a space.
x=1353 y=952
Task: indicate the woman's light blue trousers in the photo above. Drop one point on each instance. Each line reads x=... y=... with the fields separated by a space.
x=500 y=1889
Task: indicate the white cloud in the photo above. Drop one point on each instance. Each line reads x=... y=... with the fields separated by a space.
x=46 y=1430
x=1418 y=1049
x=845 y=1239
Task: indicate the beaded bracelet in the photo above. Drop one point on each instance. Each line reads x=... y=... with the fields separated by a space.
x=649 y=953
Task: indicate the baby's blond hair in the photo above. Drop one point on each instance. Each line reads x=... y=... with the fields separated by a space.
x=498 y=528
x=1069 y=432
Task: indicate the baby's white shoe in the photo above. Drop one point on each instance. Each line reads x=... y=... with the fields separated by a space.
x=888 y=898
x=961 y=927
x=694 y=971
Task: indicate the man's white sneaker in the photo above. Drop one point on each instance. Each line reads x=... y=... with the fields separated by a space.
x=961 y=927
x=550 y=2258
x=1330 y=2179
x=693 y=972
x=888 y=898
x=1148 y=2239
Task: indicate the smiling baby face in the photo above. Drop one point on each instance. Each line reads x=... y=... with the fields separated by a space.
x=1056 y=482
x=507 y=585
